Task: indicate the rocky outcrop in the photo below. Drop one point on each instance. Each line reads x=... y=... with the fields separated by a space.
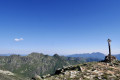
x=113 y=59
x=7 y=75
x=37 y=77
x=64 y=69
x=6 y=72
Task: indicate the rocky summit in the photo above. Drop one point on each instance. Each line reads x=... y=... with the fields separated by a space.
x=87 y=71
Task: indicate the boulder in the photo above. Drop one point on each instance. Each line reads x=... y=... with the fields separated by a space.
x=113 y=59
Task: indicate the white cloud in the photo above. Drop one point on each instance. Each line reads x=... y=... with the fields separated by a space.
x=18 y=39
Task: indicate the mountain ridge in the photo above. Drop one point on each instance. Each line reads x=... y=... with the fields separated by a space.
x=94 y=55
x=35 y=63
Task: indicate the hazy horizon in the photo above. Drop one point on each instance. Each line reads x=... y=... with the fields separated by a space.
x=51 y=54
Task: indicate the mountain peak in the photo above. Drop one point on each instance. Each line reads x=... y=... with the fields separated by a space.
x=56 y=55
x=35 y=54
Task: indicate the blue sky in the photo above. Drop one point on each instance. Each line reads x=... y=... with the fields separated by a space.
x=59 y=26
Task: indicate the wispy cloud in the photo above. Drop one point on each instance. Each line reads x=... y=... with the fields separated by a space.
x=18 y=39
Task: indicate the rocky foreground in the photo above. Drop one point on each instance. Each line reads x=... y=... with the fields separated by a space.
x=86 y=71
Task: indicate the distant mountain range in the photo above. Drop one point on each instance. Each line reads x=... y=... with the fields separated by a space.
x=96 y=56
x=117 y=56
x=5 y=54
x=12 y=54
x=92 y=56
